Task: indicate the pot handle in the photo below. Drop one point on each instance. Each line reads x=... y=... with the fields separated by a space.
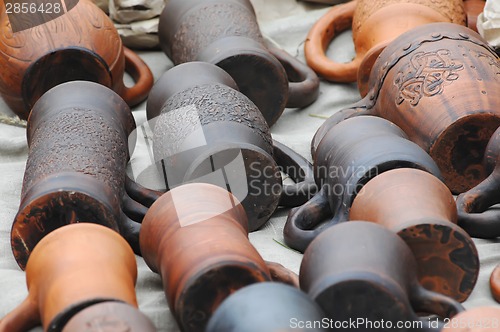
x=303 y=86
x=279 y=273
x=142 y=76
x=424 y=300
x=138 y=193
x=23 y=318
x=336 y=20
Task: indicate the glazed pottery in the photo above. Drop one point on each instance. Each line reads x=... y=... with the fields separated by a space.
x=478 y=319
x=205 y=130
x=195 y=237
x=110 y=316
x=349 y=155
x=82 y=44
x=78 y=135
x=476 y=213
x=375 y=23
x=439 y=83
x=362 y=270
x=71 y=269
x=421 y=209
x=226 y=33
x=495 y=283
x=266 y=307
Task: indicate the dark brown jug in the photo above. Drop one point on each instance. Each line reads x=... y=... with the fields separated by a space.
x=226 y=33
x=421 y=209
x=362 y=270
x=82 y=44
x=78 y=138
x=439 y=83
x=495 y=283
x=72 y=268
x=195 y=236
x=349 y=155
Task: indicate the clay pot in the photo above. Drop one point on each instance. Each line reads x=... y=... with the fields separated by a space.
x=78 y=135
x=495 y=283
x=375 y=23
x=265 y=307
x=226 y=33
x=82 y=44
x=473 y=8
x=205 y=130
x=109 y=316
x=71 y=269
x=479 y=319
x=421 y=209
x=195 y=237
x=362 y=270
x=349 y=155
x=439 y=83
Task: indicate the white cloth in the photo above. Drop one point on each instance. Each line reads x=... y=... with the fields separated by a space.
x=488 y=23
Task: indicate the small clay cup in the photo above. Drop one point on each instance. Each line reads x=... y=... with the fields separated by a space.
x=495 y=283
x=81 y=44
x=195 y=236
x=479 y=319
x=362 y=270
x=348 y=156
x=265 y=307
x=374 y=23
x=78 y=136
x=71 y=269
x=226 y=33
x=421 y=209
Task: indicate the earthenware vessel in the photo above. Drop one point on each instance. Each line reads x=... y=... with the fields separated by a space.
x=195 y=236
x=439 y=83
x=78 y=138
x=478 y=319
x=349 y=155
x=226 y=33
x=421 y=209
x=71 y=269
x=374 y=23
x=265 y=307
x=110 y=316
x=205 y=130
x=495 y=283
x=361 y=269
x=81 y=44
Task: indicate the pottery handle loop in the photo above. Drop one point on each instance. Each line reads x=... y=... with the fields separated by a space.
x=336 y=20
x=143 y=195
x=303 y=83
x=279 y=273
x=300 y=170
x=430 y=302
x=142 y=76
x=22 y=319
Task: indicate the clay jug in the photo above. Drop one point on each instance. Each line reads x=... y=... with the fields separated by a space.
x=421 y=209
x=78 y=138
x=478 y=319
x=82 y=44
x=71 y=269
x=374 y=23
x=226 y=33
x=495 y=283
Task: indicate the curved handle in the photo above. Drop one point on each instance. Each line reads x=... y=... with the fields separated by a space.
x=336 y=20
x=303 y=86
x=300 y=170
x=430 y=302
x=142 y=76
x=23 y=318
x=141 y=194
x=495 y=283
x=280 y=273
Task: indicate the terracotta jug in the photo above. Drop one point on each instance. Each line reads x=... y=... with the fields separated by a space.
x=495 y=283
x=266 y=307
x=82 y=44
x=78 y=136
x=205 y=130
x=71 y=269
x=195 y=236
x=362 y=270
x=439 y=83
x=478 y=319
x=348 y=156
x=421 y=209
x=226 y=33
x=375 y=23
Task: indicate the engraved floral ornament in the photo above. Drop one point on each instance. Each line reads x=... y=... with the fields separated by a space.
x=426 y=74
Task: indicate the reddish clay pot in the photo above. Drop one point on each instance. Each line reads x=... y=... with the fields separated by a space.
x=421 y=209
x=479 y=319
x=82 y=44
x=375 y=23
x=71 y=269
x=495 y=283
x=78 y=136
x=360 y=269
x=195 y=237
x=226 y=33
